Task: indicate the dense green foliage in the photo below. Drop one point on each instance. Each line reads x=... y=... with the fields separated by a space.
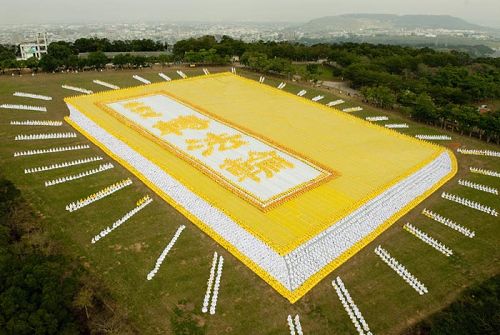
x=476 y=312
x=36 y=290
x=103 y=44
x=439 y=88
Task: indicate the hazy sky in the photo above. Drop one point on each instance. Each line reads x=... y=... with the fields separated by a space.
x=486 y=12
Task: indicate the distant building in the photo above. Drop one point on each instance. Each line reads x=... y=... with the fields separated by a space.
x=35 y=48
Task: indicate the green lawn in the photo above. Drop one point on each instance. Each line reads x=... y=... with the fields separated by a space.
x=247 y=305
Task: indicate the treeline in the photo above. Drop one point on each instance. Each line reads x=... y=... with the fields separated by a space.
x=439 y=88
x=41 y=291
x=475 y=312
x=436 y=87
x=82 y=45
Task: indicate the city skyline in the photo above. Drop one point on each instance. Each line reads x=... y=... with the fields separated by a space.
x=483 y=12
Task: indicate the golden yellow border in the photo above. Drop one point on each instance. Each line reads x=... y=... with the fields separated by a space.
x=292 y=296
x=282 y=250
x=327 y=174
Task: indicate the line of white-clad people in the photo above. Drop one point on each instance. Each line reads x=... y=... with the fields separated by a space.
x=294 y=325
x=396 y=125
x=62 y=165
x=477 y=152
x=477 y=186
x=485 y=172
x=376 y=118
x=165 y=252
x=46 y=136
x=469 y=203
x=51 y=150
x=36 y=123
x=433 y=137
x=449 y=223
x=351 y=308
x=143 y=202
x=352 y=109
x=77 y=89
x=32 y=96
x=428 y=240
x=24 y=107
x=60 y=180
x=108 y=190
x=401 y=270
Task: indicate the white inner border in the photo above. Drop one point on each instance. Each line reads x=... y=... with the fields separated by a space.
x=265 y=191
x=293 y=269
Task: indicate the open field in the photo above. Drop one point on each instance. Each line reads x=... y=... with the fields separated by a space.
x=247 y=305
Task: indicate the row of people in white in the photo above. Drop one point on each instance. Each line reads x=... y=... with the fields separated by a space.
x=294 y=325
x=477 y=152
x=218 y=276
x=401 y=270
x=433 y=137
x=36 y=123
x=376 y=118
x=206 y=72
x=449 y=223
x=469 y=203
x=165 y=252
x=32 y=96
x=24 y=107
x=139 y=206
x=396 y=125
x=62 y=165
x=302 y=93
x=262 y=79
x=477 y=186
x=335 y=102
x=105 y=84
x=210 y=283
x=51 y=150
x=60 y=180
x=485 y=172
x=77 y=89
x=73 y=206
x=352 y=109
x=318 y=98
x=181 y=74
x=350 y=307
x=428 y=240
x=233 y=70
x=47 y=136
x=141 y=79
x=281 y=85
x=164 y=76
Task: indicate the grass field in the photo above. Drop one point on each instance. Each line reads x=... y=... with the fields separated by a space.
x=247 y=305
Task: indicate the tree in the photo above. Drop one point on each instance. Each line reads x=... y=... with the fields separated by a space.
x=32 y=63
x=97 y=59
x=380 y=96
x=424 y=109
x=48 y=63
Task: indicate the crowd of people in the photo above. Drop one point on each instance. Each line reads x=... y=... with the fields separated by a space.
x=60 y=180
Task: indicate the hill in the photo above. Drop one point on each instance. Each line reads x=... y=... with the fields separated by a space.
x=356 y=22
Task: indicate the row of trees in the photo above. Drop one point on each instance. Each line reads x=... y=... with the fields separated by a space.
x=441 y=88
x=41 y=291
x=93 y=44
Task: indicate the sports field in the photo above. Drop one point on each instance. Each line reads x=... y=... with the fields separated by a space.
x=125 y=257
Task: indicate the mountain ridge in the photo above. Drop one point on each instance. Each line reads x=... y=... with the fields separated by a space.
x=356 y=22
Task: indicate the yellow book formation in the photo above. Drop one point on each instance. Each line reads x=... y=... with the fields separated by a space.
x=290 y=187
